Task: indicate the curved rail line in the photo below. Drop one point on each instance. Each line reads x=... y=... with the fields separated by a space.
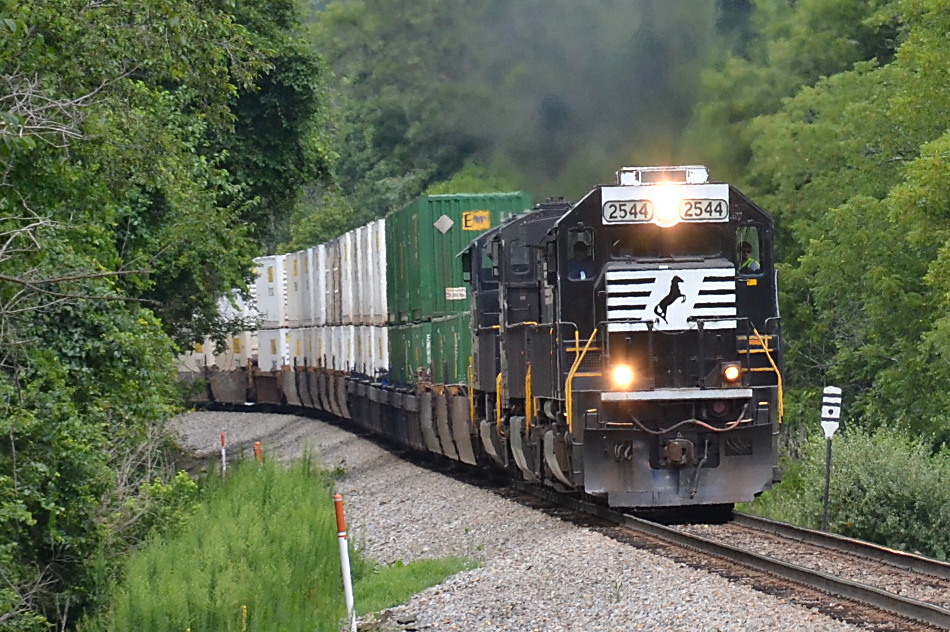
x=894 y=557
x=905 y=607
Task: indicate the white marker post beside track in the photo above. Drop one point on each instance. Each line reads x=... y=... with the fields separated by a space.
x=224 y=456
x=345 y=561
x=830 y=414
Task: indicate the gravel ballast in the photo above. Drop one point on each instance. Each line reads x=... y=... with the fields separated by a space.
x=536 y=573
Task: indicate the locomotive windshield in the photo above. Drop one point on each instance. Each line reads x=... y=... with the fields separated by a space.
x=485 y=269
x=651 y=241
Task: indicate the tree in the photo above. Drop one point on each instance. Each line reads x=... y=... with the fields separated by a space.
x=279 y=143
x=786 y=47
x=864 y=219
x=115 y=193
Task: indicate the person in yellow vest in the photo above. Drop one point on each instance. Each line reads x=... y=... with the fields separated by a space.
x=747 y=265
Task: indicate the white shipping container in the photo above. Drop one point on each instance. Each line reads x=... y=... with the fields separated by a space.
x=270 y=291
x=249 y=343
x=233 y=307
x=274 y=349
x=334 y=279
x=378 y=311
x=341 y=343
x=349 y=347
x=366 y=271
x=380 y=349
x=235 y=353
x=364 y=349
x=320 y=285
x=310 y=302
x=296 y=346
x=297 y=282
x=309 y=349
x=318 y=345
x=207 y=349
x=360 y=281
x=349 y=292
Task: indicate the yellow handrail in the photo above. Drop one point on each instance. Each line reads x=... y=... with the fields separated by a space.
x=569 y=383
x=498 y=402
x=528 y=402
x=778 y=375
x=471 y=390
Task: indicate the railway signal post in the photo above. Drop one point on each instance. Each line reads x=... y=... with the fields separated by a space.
x=830 y=414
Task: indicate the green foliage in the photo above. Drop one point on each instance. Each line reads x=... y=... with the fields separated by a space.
x=474 y=178
x=53 y=477
x=120 y=124
x=320 y=215
x=279 y=142
x=864 y=225
x=885 y=488
x=264 y=539
x=82 y=458
x=787 y=46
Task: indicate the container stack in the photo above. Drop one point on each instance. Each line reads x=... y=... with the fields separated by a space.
x=384 y=302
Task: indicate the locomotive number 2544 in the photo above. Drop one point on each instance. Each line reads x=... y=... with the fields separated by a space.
x=628 y=211
x=704 y=210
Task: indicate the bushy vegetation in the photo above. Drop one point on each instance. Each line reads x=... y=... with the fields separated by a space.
x=885 y=488
x=260 y=554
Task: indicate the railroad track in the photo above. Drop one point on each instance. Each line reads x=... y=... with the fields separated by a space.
x=908 y=591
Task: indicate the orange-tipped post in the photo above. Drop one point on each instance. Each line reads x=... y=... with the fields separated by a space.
x=224 y=455
x=345 y=560
x=258 y=453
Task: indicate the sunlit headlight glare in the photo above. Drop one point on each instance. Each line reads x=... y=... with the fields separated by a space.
x=621 y=376
x=731 y=372
x=666 y=204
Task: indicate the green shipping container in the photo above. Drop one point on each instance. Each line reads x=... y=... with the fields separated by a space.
x=451 y=348
x=410 y=349
x=423 y=240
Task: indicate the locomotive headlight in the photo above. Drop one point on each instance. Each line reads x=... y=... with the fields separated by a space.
x=621 y=376
x=731 y=372
x=666 y=202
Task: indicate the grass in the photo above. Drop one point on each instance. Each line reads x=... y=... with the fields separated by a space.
x=260 y=554
x=394 y=584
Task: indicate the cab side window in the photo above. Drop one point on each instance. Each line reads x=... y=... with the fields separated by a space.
x=748 y=250
x=580 y=265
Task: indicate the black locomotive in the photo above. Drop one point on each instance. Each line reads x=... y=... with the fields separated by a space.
x=628 y=345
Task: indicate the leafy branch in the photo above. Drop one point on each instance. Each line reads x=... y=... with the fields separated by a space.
x=27 y=111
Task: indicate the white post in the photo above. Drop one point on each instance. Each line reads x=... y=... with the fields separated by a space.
x=345 y=561
x=224 y=456
x=830 y=414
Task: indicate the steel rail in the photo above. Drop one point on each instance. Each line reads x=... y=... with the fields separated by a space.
x=876 y=552
x=902 y=606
